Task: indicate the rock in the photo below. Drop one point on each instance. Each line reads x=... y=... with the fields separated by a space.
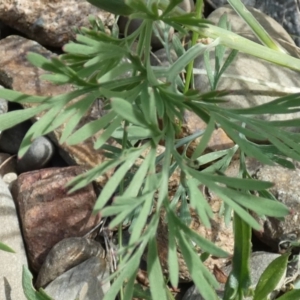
x=7 y=163
x=65 y=255
x=40 y=152
x=247 y=94
x=10 y=234
x=9 y=179
x=50 y=22
x=258 y=263
x=13 y=66
x=3 y=105
x=286 y=189
x=86 y=281
x=48 y=214
x=285 y=12
x=11 y=138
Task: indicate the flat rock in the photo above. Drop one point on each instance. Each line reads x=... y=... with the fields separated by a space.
x=244 y=93
x=10 y=234
x=18 y=74
x=48 y=214
x=86 y=281
x=50 y=22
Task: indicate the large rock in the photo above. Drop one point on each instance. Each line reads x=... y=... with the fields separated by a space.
x=13 y=67
x=86 y=281
x=285 y=12
x=244 y=93
x=10 y=234
x=65 y=255
x=50 y=22
x=48 y=214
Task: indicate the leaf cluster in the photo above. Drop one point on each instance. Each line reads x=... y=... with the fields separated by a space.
x=145 y=106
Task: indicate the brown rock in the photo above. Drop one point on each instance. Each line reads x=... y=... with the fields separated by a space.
x=18 y=74
x=48 y=214
x=50 y=22
x=218 y=140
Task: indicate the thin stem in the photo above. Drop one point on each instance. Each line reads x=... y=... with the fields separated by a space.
x=199 y=8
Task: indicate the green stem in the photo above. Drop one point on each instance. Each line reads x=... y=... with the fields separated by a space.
x=199 y=8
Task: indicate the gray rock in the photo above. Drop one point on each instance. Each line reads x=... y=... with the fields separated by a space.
x=11 y=138
x=38 y=155
x=258 y=263
x=286 y=189
x=65 y=255
x=3 y=104
x=244 y=93
x=285 y=12
x=50 y=22
x=10 y=234
x=84 y=282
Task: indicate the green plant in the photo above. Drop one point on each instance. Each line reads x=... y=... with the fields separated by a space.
x=148 y=106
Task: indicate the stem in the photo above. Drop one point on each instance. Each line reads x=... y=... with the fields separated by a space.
x=199 y=8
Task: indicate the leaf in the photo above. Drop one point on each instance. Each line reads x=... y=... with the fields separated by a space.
x=29 y=291
x=205 y=139
x=172 y=254
x=290 y=295
x=157 y=283
x=241 y=253
x=199 y=203
x=203 y=279
x=271 y=277
x=126 y=272
x=126 y=110
x=111 y=186
x=90 y=129
x=6 y=248
x=13 y=118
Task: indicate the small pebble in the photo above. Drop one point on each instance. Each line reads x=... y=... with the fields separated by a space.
x=38 y=155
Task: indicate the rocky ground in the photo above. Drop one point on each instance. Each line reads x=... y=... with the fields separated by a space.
x=50 y=229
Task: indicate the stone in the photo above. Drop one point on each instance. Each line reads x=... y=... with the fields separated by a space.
x=245 y=94
x=9 y=179
x=259 y=261
x=3 y=105
x=48 y=214
x=8 y=164
x=10 y=234
x=38 y=155
x=286 y=189
x=285 y=12
x=14 y=66
x=11 y=139
x=86 y=281
x=65 y=255
x=49 y=22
